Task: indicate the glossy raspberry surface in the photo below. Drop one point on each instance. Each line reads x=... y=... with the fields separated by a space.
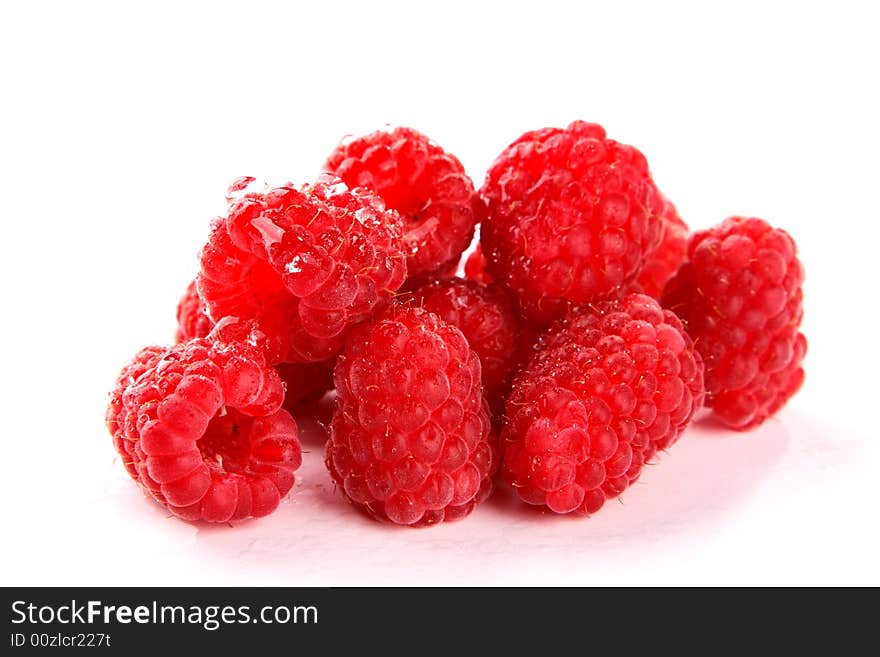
x=304 y=383
x=662 y=263
x=424 y=183
x=486 y=315
x=740 y=295
x=571 y=217
x=305 y=264
x=192 y=316
x=410 y=437
x=475 y=266
x=611 y=386
x=199 y=427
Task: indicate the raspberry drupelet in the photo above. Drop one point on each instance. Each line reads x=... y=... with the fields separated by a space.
x=199 y=427
x=611 y=386
x=424 y=183
x=475 y=267
x=409 y=441
x=304 y=264
x=571 y=217
x=304 y=383
x=662 y=263
x=192 y=316
x=740 y=296
x=486 y=315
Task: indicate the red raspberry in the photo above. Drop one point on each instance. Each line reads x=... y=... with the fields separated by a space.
x=199 y=427
x=409 y=441
x=305 y=264
x=425 y=184
x=571 y=217
x=661 y=264
x=485 y=315
x=475 y=267
x=304 y=383
x=192 y=317
x=740 y=296
x=528 y=332
x=609 y=388
x=143 y=361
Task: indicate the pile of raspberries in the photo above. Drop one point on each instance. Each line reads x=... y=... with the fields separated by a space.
x=588 y=329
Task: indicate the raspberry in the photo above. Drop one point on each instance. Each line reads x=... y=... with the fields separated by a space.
x=475 y=267
x=425 y=184
x=199 y=427
x=661 y=264
x=485 y=315
x=570 y=218
x=305 y=265
x=304 y=383
x=609 y=388
x=740 y=296
x=528 y=332
x=143 y=361
x=192 y=317
x=409 y=441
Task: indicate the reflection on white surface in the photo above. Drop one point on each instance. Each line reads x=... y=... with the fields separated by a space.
x=720 y=507
x=706 y=477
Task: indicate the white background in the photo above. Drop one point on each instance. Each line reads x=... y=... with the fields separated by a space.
x=121 y=128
